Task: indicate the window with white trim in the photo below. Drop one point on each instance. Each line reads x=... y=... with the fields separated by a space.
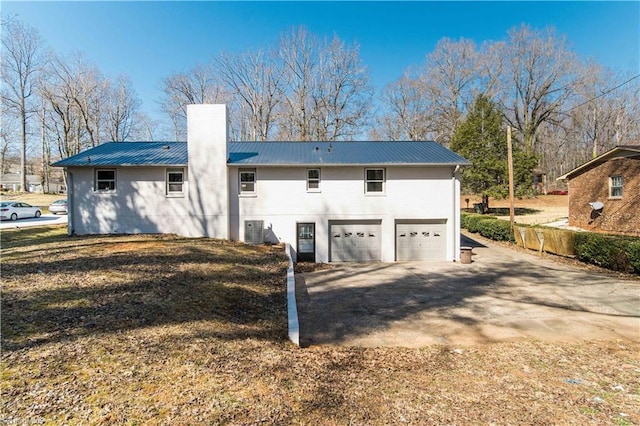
x=615 y=186
x=175 y=181
x=105 y=180
x=374 y=181
x=313 y=180
x=248 y=181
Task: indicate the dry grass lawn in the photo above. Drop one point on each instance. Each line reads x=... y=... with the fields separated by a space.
x=33 y=198
x=169 y=330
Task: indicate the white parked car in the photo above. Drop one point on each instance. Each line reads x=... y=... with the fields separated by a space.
x=58 y=206
x=15 y=210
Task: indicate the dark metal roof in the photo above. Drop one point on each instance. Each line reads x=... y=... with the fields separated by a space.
x=341 y=153
x=130 y=154
x=270 y=154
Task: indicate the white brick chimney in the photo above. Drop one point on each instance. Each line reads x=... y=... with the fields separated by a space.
x=208 y=185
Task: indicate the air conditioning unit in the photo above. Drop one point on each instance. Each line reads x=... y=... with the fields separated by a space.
x=254 y=231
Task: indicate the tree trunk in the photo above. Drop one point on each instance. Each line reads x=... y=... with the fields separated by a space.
x=485 y=203
x=23 y=148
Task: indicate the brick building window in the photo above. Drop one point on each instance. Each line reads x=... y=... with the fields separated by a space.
x=615 y=186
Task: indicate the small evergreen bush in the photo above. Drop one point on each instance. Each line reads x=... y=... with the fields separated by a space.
x=496 y=229
x=488 y=226
x=609 y=251
x=471 y=222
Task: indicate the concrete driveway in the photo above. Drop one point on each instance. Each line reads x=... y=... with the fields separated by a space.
x=503 y=295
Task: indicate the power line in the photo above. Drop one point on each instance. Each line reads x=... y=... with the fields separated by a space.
x=602 y=94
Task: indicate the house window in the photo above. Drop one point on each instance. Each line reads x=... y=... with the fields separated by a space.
x=105 y=180
x=615 y=186
x=175 y=181
x=374 y=181
x=247 y=181
x=313 y=179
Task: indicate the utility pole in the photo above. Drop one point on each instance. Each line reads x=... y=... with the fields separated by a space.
x=510 y=165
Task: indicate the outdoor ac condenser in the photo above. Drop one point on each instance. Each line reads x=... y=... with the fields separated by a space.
x=254 y=231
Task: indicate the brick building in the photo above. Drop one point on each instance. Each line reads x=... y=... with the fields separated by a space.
x=604 y=193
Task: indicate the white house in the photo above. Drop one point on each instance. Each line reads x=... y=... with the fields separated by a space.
x=340 y=201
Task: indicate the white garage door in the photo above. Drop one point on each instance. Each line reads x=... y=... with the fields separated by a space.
x=355 y=241
x=421 y=240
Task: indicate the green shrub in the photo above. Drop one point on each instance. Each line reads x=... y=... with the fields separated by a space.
x=470 y=222
x=633 y=251
x=496 y=229
x=609 y=251
x=488 y=226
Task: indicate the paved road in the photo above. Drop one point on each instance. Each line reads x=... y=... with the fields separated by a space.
x=44 y=220
x=503 y=295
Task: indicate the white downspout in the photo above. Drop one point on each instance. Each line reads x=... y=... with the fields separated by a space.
x=456 y=214
x=70 y=204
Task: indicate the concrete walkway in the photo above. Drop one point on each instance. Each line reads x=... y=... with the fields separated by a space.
x=503 y=295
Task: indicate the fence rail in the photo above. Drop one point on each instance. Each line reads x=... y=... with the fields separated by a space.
x=547 y=240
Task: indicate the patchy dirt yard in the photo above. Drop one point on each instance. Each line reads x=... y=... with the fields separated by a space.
x=532 y=211
x=168 y=330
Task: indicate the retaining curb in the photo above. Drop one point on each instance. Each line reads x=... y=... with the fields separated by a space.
x=292 y=308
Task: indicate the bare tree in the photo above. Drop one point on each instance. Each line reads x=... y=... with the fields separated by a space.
x=22 y=59
x=603 y=114
x=451 y=73
x=8 y=130
x=544 y=76
x=327 y=95
x=299 y=52
x=432 y=103
x=92 y=95
x=256 y=78
x=490 y=69
x=75 y=94
x=626 y=104
x=592 y=123
x=305 y=89
x=62 y=119
x=344 y=94
x=146 y=129
x=409 y=111
x=196 y=86
x=122 y=110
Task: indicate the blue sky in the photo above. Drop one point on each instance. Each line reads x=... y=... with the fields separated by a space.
x=151 y=40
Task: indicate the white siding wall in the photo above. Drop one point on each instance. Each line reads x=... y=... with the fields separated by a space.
x=138 y=205
x=281 y=200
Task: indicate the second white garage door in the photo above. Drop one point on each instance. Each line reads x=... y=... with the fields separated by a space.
x=353 y=241
x=421 y=240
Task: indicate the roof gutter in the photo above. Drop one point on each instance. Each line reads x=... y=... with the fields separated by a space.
x=456 y=165
x=118 y=165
